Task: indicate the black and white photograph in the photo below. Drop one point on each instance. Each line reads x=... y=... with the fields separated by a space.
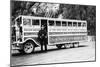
x=44 y=33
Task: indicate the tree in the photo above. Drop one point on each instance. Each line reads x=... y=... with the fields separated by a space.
x=65 y=11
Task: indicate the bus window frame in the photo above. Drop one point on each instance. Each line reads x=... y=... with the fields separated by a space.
x=64 y=22
x=27 y=19
x=76 y=24
x=53 y=23
x=80 y=25
x=41 y=23
x=83 y=24
x=71 y=24
x=35 y=21
x=58 y=21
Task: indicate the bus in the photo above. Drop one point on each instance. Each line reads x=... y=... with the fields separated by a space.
x=60 y=32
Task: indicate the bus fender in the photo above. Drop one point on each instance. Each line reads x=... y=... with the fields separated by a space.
x=31 y=39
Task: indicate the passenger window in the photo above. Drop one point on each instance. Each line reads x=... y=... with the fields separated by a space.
x=26 y=21
x=75 y=24
x=35 y=22
x=64 y=23
x=51 y=23
x=58 y=23
x=84 y=24
x=69 y=23
x=79 y=24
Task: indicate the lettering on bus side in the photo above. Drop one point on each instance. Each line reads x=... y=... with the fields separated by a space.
x=55 y=33
x=59 y=39
x=30 y=33
x=30 y=29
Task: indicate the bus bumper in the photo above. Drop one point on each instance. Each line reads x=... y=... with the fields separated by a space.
x=17 y=46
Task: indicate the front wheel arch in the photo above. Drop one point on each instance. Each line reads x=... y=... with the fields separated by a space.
x=30 y=40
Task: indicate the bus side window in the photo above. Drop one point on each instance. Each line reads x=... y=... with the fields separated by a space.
x=64 y=23
x=84 y=24
x=79 y=24
x=26 y=21
x=35 y=22
x=74 y=24
x=58 y=23
x=51 y=23
x=69 y=24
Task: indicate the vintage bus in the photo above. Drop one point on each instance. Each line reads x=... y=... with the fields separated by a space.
x=60 y=32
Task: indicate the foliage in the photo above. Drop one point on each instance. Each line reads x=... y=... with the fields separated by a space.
x=81 y=12
x=68 y=11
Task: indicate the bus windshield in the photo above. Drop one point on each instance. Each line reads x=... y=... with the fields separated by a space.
x=26 y=22
x=19 y=21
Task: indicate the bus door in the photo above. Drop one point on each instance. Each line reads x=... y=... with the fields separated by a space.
x=44 y=23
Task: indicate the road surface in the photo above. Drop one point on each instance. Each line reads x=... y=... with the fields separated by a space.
x=86 y=52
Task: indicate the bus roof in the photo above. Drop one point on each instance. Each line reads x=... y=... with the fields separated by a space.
x=56 y=19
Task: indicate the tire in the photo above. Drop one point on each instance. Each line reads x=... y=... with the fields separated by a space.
x=67 y=46
x=76 y=45
x=71 y=45
x=59 y=46
x=28 y=47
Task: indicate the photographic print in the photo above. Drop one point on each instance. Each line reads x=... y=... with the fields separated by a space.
x=51 y=33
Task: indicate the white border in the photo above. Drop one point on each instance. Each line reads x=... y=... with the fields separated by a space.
x=5 y=33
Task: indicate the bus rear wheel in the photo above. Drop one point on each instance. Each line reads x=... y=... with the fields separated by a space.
x=67 y=46
x=76 y=45
x=59 y=46
x=28 y=47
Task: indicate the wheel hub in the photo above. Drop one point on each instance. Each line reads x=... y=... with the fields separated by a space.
x=28 y=48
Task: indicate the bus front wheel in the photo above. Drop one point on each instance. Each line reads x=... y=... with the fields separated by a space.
x=28 y=47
